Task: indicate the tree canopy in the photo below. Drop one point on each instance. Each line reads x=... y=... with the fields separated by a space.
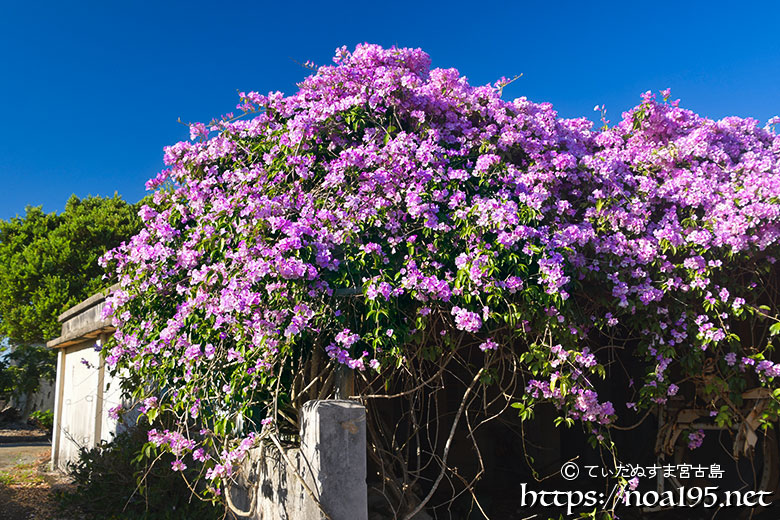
x=49 y=262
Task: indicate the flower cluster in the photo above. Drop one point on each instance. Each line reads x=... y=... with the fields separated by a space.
x=493 y=223
x=695 y=439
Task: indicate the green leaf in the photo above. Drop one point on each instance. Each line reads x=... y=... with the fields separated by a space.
x=774 y=329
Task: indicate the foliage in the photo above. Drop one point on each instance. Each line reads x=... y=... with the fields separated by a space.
x=24 y=368
x=117 y=480
x=48 y=262
x=44 y=419
x=462 y=221
x=6 y=379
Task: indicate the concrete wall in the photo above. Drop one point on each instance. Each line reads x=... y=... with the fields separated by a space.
x=84 y=392
x=81 y=417
x=331 y=461
x=79 y=394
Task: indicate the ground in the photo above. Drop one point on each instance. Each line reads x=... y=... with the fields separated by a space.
x=26 y=483
x=27 y=486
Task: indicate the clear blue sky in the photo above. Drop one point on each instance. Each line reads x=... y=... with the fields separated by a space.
x=90 y=92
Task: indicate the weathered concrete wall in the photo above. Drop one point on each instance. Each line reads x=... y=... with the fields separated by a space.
x=86 y=395
x=84 y=391
x=82 y=322
x=79 y=396
x=112 y=397
x=331 y=461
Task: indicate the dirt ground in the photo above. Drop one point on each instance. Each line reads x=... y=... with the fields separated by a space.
x=26 y=483
x=27 y=486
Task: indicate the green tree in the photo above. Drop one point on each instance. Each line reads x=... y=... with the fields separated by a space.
x=48 y=262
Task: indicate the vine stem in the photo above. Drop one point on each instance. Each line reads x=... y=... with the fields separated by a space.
x=447 y=446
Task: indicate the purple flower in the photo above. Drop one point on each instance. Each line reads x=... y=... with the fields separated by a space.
x=499 y=211
x=466 y=320
x=695 y=439
x=488 y=344
x=347 y=338
x=113 y=412
x=198 y=130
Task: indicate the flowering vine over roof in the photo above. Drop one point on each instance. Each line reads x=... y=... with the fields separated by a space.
x=463 y=219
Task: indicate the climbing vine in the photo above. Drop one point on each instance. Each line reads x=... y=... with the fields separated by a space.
x=393 y=221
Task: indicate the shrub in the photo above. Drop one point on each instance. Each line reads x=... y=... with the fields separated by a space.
x=118 y=480
x=43 y=419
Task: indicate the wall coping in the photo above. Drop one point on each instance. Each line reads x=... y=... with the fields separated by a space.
x=90 y=330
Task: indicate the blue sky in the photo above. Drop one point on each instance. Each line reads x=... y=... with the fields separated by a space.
x=90 y=92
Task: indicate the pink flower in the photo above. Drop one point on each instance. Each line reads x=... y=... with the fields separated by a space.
x=200 y=455
x=198 y=130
